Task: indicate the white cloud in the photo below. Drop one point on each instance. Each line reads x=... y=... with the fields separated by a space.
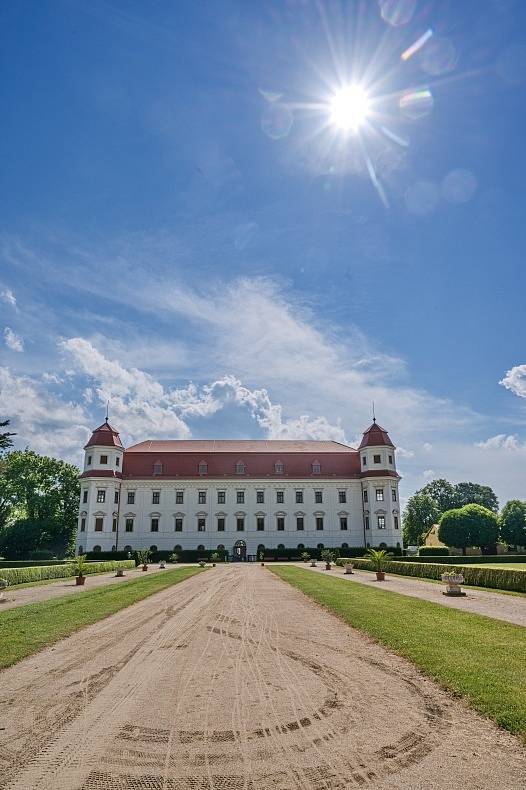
x=403 y=453
x=428 y=474
x=8 y=297
x=12 y=340
x=500 y=441
x=515 y=380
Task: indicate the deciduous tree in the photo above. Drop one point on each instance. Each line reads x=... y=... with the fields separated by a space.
x=419 y=516
x=512 y=523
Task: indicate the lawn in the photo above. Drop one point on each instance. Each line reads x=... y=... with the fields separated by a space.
x=515 y=566
x=26 y=629
x=482 y=659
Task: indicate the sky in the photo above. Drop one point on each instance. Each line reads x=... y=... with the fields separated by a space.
x=188 y=231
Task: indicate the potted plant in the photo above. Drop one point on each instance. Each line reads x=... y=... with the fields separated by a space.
x=379 y=559
x=3 y=586
x=215 y=558
x=202 y=563
x=453 y=580
x=78 y=566
x=305 y=556
x=119 y=572
x=313 y=563
x=162 y=564
x=328 y=556
x=348 y=567
x=143 y=556
x=174 y=557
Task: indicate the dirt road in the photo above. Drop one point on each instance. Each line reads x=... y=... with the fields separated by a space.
x=233 y=680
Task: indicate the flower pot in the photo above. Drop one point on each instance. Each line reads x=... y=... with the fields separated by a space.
x=380 y=576
x=327 y=566
x=262 y=564
x=348 y=568
x=313 y=564
x=79 y=580
x=162 y=565
x=120 y=572
x=145 y=567
x=453 y=582
x=213 y=565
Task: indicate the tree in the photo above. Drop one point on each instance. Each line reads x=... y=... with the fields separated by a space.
x=471 y=525
x=443 y=493
x=5 y=437
x=476 y=494
x=512 y=523
x=419 y=516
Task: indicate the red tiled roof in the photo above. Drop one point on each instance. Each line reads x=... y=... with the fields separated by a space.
x=240 y=446
x=375 y=436
x=105 y=436
x=101 y=473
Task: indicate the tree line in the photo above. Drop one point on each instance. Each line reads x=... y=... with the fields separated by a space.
x=39 y=499
x=467 y=515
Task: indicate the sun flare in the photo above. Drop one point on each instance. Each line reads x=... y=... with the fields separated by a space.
x=349 y=108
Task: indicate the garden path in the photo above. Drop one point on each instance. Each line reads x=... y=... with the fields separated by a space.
x=491 y=603
x=234 y=680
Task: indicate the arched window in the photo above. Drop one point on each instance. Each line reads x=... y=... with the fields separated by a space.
x=345 y=545
x=158 y=468
x=200 y=547
x=301 y=546
x=316 y=467
x=220 y=547
x=96 y=548
x=153 y=548
x=382 y=545
x=203 y=468
x=81 y=549
x=261 y=547
x=128 y=548
x=281 y=545
x=279 y=468
x=398 y=545
x=114 y=548
x=240 y=468
x=321 y=546
x=177 y=547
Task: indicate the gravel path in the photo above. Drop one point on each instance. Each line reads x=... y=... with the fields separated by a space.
x=44 y=592
x=511 y=608
x=233 y=680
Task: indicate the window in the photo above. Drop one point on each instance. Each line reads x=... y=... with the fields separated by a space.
x=240 y=468
x=260 y=524
x=390 y=459
x=300 y=523
x=396 y=523
x=154 y=525
x=157 y=468
x=203 y=468
x=365 y=496
x=260 y=497
x=200 y=547
x=153 y=548
x=320 y=546
x=318 y=497
x=81 y=549
x=343 y=522
x=240 y=497
x=342 y=497
x=316 y=468
x=280 y=524
x=220 y=524
x=178 y=547
x=85 y=496
x=381 y=522
x=201 y=524
x=104 y=459
x=179 y=497
x=301 y=546
x=101 y=495
x=379 y=495
x=367 y=525
x=178 y=525
x=377 y=459
x=129 y=525
x=364 y=460
x=98 y=524
x=299 y=497
x=89 y=460
x=114 y=525
x=97 y=549
x=280 y=497
x=201 y=497
x=83 y=525
x=116 y=498
x=393 y=494
x=117 y=461
x=131 y=497
x=319 y=523
x=221 y=497
x=240 y=524
x=279 y=468
x=128 y=548
x=156 y=497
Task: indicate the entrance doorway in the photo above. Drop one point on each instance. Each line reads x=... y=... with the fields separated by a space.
x=240 y=551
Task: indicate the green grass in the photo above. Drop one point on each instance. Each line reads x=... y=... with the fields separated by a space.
x=26 y=629
x=13 y=587
x=482 y=659
x=517 y=566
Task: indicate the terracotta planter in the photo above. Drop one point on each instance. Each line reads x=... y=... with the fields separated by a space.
x=327 y=566
x=262 y=564
x=213 y=565
x=380 y=576
x=79 y=580
x=145 y=567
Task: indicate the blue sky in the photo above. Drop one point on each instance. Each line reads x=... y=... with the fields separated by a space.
x=183 y=232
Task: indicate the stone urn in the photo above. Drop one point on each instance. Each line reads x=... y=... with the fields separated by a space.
x=120 y=572
x=313 y=564
x=162 y=564
x=348 y=567
x=453 y=581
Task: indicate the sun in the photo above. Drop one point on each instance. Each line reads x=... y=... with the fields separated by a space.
x=349 y=108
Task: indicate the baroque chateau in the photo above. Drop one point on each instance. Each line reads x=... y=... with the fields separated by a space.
x=238 y=496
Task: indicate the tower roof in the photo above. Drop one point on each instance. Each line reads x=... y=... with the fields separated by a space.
x=106 y=436
x=375 y=436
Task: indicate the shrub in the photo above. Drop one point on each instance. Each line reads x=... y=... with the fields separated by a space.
x=38 y=573
x=433 y=551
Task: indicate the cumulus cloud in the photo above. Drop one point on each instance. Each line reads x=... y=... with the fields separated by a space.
x=515 y=380
x=7 y=296
x=12 y=340
x=500 y=442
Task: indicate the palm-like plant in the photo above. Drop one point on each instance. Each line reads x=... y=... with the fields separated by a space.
x=79 y=565
x=143 y=555
x=378 y=558
x=305 y=556
x=174 y=557
x=328 y=555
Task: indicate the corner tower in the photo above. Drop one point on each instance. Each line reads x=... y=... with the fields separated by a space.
x=381 y=501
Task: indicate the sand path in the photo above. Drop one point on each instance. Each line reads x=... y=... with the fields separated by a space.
x=233 y=680
x=511 y=608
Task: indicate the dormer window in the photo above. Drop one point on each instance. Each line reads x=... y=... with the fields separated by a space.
x=240 y=468
x=157 y=468
x=316 y=467
x=104 y=459
x=203 y=468
x=279 y=468
x=377 y=459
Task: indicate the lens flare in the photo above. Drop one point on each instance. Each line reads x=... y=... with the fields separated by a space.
x=349 y=108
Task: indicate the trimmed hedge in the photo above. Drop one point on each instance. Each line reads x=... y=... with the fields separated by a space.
x=37 y=573
x=433 y=551
x=476 y=559
x=497 y=578
x=29 y=563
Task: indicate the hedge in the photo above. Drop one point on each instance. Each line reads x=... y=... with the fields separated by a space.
x=29 y=563
x=433 y=551
x=271 y=553
x=37 y=573
x=498 y=578
x=476 y=559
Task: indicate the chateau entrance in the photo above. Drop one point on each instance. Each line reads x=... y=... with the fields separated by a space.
x=240 y=551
